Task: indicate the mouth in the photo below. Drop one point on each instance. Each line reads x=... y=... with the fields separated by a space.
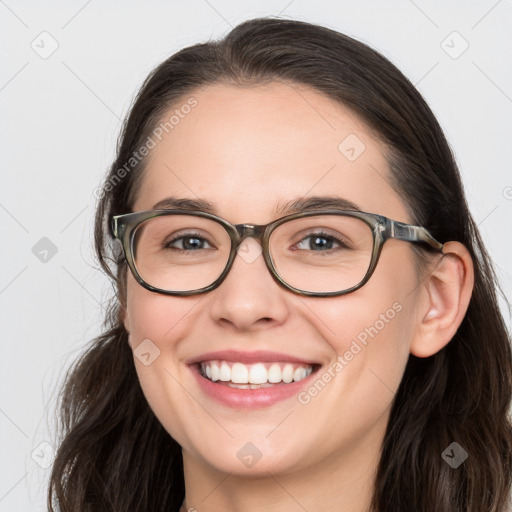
x=254 y=376
x=251 y=380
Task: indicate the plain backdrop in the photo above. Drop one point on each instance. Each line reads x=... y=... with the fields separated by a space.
x=69 y=72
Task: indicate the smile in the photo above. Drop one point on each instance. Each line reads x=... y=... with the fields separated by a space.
x=254 y=376
x=251 y=380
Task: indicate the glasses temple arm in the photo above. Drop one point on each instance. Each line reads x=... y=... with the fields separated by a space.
x=410 y=233
x=117 y=227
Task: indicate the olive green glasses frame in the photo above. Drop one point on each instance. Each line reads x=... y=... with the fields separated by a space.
x=123 y=228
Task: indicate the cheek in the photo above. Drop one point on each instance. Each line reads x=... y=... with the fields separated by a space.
x=370 y=336
x=371 y=343
x=155 y=316
x=370 y=330
x=157 y=323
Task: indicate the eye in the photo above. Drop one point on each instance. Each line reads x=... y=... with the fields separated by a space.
x=189 y=242
x=320 y=242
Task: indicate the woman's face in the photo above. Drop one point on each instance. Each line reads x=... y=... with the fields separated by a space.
x=248 y=151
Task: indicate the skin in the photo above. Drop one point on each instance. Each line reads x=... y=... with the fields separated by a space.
x=247 y=150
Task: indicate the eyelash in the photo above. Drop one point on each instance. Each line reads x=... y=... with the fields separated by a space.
x=323 y=234
x=182 y=237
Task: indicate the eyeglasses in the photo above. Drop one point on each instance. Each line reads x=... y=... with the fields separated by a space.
x=320 y=253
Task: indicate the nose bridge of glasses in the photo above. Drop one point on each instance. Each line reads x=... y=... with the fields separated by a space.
x=250 y=231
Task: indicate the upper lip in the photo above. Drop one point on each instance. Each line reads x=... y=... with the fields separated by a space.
x=258 y=356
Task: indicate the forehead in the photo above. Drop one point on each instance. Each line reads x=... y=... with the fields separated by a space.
x=247 y=150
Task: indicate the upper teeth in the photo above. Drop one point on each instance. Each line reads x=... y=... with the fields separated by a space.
x=259 y=373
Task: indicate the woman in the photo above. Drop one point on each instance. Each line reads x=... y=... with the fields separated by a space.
x=348 y=356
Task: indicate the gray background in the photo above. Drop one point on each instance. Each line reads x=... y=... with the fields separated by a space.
x=60 y=116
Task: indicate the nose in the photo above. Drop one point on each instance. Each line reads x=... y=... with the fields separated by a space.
x=249 y=299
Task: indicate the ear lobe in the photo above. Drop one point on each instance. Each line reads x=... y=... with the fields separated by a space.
x=447 y=292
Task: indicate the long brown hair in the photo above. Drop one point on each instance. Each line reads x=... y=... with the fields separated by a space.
x=116 y=456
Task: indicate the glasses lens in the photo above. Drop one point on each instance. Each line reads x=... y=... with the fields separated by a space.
x=322 y=253
x=180 y=252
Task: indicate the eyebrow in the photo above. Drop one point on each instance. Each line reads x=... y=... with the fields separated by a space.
x=298 y=205
x=178 y=203
x=316 y=203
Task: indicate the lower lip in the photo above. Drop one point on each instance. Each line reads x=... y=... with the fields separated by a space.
x=248 y=398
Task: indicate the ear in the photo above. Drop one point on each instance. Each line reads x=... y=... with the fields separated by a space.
x=446 y=293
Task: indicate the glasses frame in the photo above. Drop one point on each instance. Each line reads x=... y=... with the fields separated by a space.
x=123 y=228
